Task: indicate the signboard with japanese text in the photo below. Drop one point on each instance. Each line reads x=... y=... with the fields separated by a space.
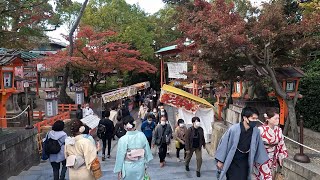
x=115 y=95
x=92 y=121
x=30 y=74
x=49 y=109
x=176 y=70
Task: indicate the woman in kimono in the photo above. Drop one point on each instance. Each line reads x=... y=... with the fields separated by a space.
x=272 y=138
x=132 y=154
x=79 y=149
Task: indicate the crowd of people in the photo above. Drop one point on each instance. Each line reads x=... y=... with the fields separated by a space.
x=245 y=151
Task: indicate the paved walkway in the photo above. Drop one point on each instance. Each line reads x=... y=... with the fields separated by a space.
x=172 y=169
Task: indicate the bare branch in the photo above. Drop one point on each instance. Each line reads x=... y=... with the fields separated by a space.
x=75 y=26
x=275 y=83
x=258 y=67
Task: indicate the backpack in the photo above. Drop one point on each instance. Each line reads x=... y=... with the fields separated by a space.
x=101 y=132
x=120 y=132
x=51 y=146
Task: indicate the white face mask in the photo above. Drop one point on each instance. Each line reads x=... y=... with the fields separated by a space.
x=163 y=123
x=129 y=126
x=149 y=121
x=161 y=110
x=197 y=124
x=181 y=124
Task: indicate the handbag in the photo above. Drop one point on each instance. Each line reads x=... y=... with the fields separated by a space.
x=146 y=176
x=44 y=156
x=96 y=168
x=177 y=144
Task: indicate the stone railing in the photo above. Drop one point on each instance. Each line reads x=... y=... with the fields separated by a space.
x=18 y=151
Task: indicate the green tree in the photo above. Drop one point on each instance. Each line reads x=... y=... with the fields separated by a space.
x=129 y=21
x=23 y=22
x=165 y=23
x=309 y=105
x=310 y=6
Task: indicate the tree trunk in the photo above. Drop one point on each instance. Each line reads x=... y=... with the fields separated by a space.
x=293 y=120
x=289 y=102
x=286 y=127
x=287 y=124
x=63 y=97
x=230 y=100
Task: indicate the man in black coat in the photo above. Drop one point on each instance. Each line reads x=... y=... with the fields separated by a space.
x=108 y=135
x=194 y=143
x=79 y=112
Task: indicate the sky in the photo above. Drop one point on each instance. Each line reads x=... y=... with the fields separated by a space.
x=149 y=6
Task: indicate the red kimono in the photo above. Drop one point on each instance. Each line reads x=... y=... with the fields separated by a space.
x=276 y=149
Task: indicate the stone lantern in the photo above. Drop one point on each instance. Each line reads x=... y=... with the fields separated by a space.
x=51 y=102
x=79 y=99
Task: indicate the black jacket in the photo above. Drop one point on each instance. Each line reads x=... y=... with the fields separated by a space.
x=189 y=137
x=79 y=114
x=109 y=127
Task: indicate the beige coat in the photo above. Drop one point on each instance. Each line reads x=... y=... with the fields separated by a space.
x=180 y=134
x=85 y=148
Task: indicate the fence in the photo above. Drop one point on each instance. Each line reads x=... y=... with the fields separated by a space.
x=39 y=115
x=67 y=107
x=50 y=121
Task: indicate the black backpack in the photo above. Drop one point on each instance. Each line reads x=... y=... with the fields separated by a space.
x=51 y=146
x=101 y=132
x=120 y=132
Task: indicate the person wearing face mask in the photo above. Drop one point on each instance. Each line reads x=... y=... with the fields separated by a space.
x=194 y=143
x=272 y=138
x=156 y=115
x=142 y=112
x=162 y=112
x=133 y=153
x=240 y=148
x=161 y=137
x=180 y=133
x=87 y=111
x=147 y=128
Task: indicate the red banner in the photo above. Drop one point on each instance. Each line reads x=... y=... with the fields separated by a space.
x=179 y=101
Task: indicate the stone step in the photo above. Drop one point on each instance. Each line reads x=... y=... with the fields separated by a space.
x=172 y=170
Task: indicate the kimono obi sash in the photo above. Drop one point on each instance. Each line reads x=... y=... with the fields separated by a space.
x=134 y=154
x=74 y=161
x=270 y=145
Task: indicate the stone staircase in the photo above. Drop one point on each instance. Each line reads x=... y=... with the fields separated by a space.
x=172 y=169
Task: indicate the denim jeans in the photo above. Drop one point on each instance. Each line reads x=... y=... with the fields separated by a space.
x=56 y=169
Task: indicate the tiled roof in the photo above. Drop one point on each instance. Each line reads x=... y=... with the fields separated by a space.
x=289 y=72
x=8 y=55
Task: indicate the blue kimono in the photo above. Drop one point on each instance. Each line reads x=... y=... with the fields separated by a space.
x=132 y=170
x=228 y=146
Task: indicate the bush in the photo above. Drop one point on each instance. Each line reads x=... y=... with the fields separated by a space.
x=309 y=105
x=211 y=100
